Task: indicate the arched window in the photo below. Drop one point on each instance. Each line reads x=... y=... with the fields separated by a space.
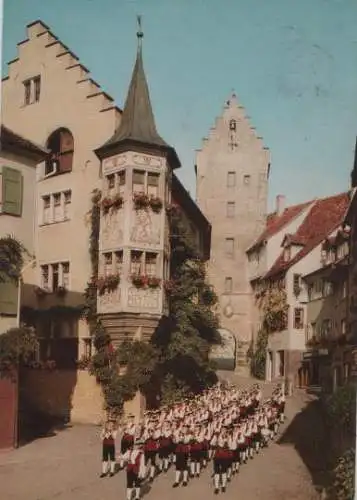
x=232 y=125
x=61 y=146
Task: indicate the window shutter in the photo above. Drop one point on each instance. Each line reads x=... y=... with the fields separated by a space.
x=8 y=298
x=12 y=191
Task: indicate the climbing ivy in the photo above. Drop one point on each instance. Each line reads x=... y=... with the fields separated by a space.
x=11 y=259
x=257 y=354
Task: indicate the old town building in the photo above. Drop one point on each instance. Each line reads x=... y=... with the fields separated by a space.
x=289 y=248
x=232 y=170
x=50 y=98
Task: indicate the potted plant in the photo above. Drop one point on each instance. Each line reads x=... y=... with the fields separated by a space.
x=139 y=280
x=141 y=200
x=112 y=281
x=101 y=285
x=156 y=204
x=106 y=204
x=153 y=282
x=117 y=201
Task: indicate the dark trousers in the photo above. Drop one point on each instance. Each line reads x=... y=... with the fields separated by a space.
x=132 y=479
x=108 y=452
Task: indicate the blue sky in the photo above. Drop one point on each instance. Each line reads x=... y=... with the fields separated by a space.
x=292 y=63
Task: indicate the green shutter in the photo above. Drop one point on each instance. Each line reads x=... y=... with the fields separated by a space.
x=8 y=298
x=12 y=188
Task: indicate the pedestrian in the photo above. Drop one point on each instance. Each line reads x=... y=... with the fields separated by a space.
x=182 y=452
x=108 y=436
x=135 y=470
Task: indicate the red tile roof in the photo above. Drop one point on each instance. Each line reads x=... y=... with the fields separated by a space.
x=276 y=223
x=324 y=216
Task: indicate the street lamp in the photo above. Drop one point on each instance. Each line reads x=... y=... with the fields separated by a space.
x=19 y=290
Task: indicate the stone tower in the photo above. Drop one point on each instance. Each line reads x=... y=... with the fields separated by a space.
x=136 y=165
x=232 y=170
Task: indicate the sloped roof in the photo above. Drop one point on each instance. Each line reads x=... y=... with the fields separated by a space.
x=276 y=223
x=324 y=216
x=12 y=140
x=137 y=123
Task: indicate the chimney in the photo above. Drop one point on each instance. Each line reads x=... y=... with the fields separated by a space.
x=280 y=204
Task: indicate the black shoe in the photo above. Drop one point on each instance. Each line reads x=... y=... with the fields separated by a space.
x=102 y=475
x=184 y=483
x=216 y=491
x=197 y=475
x=151 y=480
x=223 y=489
x=175 y=485
x=111 y=474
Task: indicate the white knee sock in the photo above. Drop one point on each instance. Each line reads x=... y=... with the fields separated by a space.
x=152 y=471
x=177 y=476
x=216 y=481
x=166 y=463
x=112 y=467
x=224 y=480
x=198 y=468
x=104 y=467
x=185 y=476
x=192 y=468
x=128 y=493
x=137 y=493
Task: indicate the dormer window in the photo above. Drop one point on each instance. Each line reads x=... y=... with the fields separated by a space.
x=233 y=125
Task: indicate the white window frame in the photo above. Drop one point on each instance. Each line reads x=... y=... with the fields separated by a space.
x=64 y=211
x=50 y=266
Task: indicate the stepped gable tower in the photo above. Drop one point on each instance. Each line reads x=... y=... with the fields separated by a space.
x=232 y=170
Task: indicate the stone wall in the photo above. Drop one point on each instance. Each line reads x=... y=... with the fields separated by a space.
x=63 y=393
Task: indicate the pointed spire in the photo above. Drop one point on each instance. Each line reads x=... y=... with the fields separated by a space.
x=137 y=122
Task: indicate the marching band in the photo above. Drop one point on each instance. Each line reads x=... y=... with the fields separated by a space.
x=224 y=425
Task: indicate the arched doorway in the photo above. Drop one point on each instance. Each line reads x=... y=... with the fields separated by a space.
x=61 y=146
x=224 y=354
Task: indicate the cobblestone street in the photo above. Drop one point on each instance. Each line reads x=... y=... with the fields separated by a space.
x=66 y=466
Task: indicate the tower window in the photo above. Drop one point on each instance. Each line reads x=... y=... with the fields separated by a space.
x=231 y=179
x=231 y=209
x=61 y=146
x=32 y=88
x=233 y=125
x=246 y=180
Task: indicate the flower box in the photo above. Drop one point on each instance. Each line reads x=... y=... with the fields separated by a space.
x=108 y=283
x=117 y=201
x=106 y=204
x=153 y=282
x=141 y=200
x=112 y=281
x=140 y=281
x=156 y=204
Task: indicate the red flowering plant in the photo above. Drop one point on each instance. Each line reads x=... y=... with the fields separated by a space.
x=101 y=285
x=141 y=200
x=108 y=283
x=139 y=280
x=153 y=282
x=117 y=201
x=169 y=286
x=106 y=204
x=155 y=203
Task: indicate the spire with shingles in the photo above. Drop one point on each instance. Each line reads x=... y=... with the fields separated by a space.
x=137 y=125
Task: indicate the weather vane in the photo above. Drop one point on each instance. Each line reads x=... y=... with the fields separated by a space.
x=139 y=33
